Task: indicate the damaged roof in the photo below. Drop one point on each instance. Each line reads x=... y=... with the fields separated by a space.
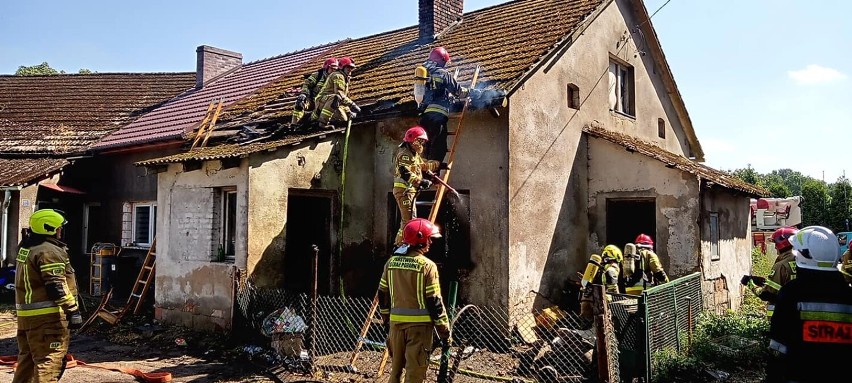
x=672 y=160
x=182 y=115
x=58 y=115
x=23 y=171
x=506 y=40
x=223 y=151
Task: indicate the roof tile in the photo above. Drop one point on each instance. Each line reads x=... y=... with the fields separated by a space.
x=22 y=171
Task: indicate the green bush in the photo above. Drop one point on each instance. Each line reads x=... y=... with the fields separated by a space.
x=761 y=265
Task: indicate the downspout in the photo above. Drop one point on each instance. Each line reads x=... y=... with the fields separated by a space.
x=4 y=235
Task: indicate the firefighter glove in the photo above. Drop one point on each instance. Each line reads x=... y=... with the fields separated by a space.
x=355 y=108
x=425 y=184
x=75 y=320
x=429 y=175
x=746 y=279
x=302 y=97
x=444 y=166
x=444 y=333
x=352 y=115
x=760 y=281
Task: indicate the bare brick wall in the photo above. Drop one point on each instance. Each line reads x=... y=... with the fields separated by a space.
x=437 y=15
x=212 y=62
x=192 y=224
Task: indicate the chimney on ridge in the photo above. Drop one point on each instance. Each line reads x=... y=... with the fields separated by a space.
x=436 y=15
x=212 y=62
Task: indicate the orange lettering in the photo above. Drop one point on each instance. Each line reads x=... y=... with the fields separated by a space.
x=826 y=332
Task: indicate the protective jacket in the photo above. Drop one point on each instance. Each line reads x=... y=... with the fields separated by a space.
x=45 y=286
x=649 y=272
x=609 y=277
x=313 y=84
x=333 y=101
x=783 y=271
x=409 y=291
x=409 y=168
x=846 y=266
x=441 y=85
x=812 y=328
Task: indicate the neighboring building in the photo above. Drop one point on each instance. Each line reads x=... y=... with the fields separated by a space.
x=548 y=175
x=47 y=125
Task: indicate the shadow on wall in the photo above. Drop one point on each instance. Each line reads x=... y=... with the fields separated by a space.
x=567 y=245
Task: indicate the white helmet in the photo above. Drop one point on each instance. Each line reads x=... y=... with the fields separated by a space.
x=816 y=248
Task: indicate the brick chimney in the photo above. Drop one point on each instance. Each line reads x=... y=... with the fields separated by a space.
x=212 y=62
x=437 y=15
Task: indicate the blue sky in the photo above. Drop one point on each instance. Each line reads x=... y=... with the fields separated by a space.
x=766 y=82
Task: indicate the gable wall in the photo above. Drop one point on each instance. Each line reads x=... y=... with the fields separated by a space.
x=548 y=184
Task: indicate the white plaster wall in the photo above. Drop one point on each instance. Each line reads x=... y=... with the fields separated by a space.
x=547 y=182
x=734 y=248
x=196 y=292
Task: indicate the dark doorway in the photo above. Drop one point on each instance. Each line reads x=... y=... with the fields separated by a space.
x=627 y=218
x=309 y=222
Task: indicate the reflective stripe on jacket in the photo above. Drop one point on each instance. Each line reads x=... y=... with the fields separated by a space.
x=411 y=282
x=39 y=268
x=416 y=165
x=442 y=85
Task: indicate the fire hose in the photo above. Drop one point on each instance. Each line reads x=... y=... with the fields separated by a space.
x=11 y=362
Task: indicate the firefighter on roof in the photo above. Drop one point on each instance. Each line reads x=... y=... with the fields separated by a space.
x=306 y=101
x=45 y=300
x=333 y=103
x=410 y=303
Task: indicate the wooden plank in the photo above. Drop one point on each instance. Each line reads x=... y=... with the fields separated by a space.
x=213 y=122
x=203 y=123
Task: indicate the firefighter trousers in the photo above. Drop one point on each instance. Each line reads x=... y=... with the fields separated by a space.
x=41 y=353
x=329 y=110
x=436 y=127
x=405 y=200
x=299 y=113
x=410 y=346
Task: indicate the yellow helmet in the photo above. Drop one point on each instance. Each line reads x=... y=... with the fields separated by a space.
x=613 y=252
x=46 y=221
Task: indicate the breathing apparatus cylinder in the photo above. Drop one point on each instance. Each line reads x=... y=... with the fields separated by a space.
x=420 y=77
x=591 y=269
x=628 y=264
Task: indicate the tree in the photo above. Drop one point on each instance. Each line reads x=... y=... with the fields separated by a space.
x=748 y=175
x=85 y=71
x=838 y=211
x=36 y=70
x=815 y=205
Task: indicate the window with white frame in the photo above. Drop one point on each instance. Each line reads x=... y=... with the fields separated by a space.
x=621 y=93
x=227 y=217
x=140 y=223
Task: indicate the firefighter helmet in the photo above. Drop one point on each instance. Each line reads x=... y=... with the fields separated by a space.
x=612 y=252
x=330 y=63
x=781 y=238
x=440 y=56
x=46 y=221
x=644 y=241
x=415 y=133
x=346 y=62
x=816 y=248
x=418 y=231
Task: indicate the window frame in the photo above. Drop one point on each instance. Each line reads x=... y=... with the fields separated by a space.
x=622 y=77
x=223 y=226
x=661 y=128
x=715 y=251
x=573 y=96
x=152 y=222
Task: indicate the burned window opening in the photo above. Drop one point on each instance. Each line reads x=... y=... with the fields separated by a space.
x=627 y=218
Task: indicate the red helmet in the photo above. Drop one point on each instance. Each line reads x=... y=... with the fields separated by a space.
x=418 y=231
x=346 y=62
x=330 y=63
x=644 y=240
x=415 y=133
x=440 y=56
x=781 y=238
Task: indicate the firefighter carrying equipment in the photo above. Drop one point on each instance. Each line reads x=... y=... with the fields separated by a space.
x=306 y=101
x=421 y=75
x=608 y=277
x=410 y=300
x=441 y=90
x=811 y=331
x=816 y=248
x=647 y=271
x=45 y=300
x=612 y=252
x=767 y=289
x=409 y=169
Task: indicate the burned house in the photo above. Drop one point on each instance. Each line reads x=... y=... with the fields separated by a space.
x=591 y=145
x=47 y=127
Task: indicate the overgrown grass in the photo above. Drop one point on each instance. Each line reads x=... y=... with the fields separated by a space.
x=734 y=342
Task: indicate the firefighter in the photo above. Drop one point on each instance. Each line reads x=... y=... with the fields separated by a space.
x=306 y=101
x=410 y=303
x=333 y=103
x=411 y=174
x=783 y=271
x=435 y=107
x=648 y=270
x=607 y=276
x=811 y=330
x=45 y=291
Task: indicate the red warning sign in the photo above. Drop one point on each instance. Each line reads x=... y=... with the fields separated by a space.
x=826 y=331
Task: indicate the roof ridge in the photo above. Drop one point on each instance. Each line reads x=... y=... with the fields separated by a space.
x=326 y=45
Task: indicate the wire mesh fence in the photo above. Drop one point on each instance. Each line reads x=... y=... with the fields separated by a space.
x=671 y=311
x=490 y=344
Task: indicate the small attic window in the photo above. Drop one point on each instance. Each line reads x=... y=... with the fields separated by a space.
x=661 y=128
x=573 y=96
